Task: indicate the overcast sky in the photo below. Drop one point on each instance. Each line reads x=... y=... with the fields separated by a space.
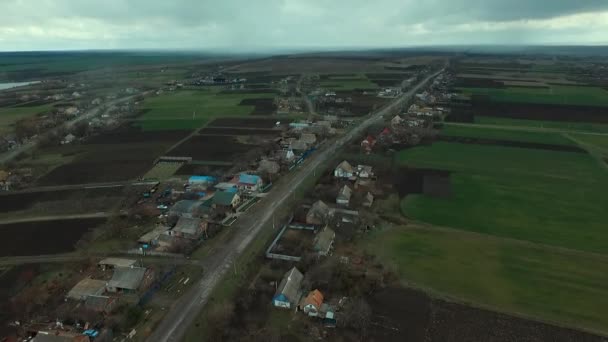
x=261 y=24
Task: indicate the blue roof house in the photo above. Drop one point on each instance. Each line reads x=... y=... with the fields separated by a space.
x=247 y=182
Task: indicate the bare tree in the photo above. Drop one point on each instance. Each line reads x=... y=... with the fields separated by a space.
x=358 y=315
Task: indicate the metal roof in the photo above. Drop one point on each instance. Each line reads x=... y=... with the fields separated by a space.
x=248 y=179
x=117 y=262
x=201 y=179
x=87 y=287
x=224 y=197
x=290 y=285
x=187 y=225
x=127 y=277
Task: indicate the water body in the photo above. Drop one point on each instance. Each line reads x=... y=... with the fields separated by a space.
x=4 y=86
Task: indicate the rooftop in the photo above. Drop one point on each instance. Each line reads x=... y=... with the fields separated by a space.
x=290 y=285
x=87 y=287
x=127 y=277
x=324 y=239
x=187 y=225
x=345 y=166
x=224 y=198
x=117 y=262
x=249 y=179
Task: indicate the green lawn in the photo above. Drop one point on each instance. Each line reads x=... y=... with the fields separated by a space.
x=599 y=142
x=546 y=283
x=572 y=126
x=509 y=135
x=191 y=109
x=9 y=116
x=554 y=198
x=565 y=95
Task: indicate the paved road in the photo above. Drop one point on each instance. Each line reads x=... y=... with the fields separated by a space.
x=93 y=112
x=185 y=310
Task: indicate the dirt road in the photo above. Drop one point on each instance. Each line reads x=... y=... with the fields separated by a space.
x=185 y=309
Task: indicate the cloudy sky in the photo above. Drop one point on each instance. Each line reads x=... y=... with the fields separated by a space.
x=262 y=24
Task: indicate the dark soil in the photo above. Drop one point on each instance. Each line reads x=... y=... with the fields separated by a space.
x=238 y=131
x=410 y=315
x=25 y=200
x=407 y=68
x=209 y=170
x=243 y=122
x=211 y=148
x=478 y=83
x=131 y=134
x=49 y=237
x=509 y=143
x=386 y=83
x=263 y=106
x=328 y=76
x=249 y=91
x=389 y=76
x=430 y=182
x=549 y=112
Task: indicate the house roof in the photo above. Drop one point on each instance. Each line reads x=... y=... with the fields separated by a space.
x=127 y=277
x=98 y=303
x=183 y=206
x=117 y=262
x=187 y=225
x=298 y=145
x=324 y=239
x=314 y=298
x=201 y=179
x=152 y=235
x=319 y=208
x=345 y=166
x=365 y=168
x=249 y=179
x=87 y=287
x=225 y=186
x=346 y=192
x=290 y=285
x=308 y=138
x=50 y=337
x=224 y=198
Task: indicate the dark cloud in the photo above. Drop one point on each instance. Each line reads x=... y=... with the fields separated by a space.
x=31 y=24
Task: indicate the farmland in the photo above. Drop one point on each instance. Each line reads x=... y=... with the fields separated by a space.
x=508 y=135
x=48 y=237
x=191 y=109
x=559 y=125
x=10 y=115
x=557 y=195
x=536 y=281
x=561 y=95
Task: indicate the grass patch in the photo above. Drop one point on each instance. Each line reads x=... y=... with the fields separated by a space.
x=548 y=197
x=190 y=109
x=509 y=135
x=561 y=125
x=564 y=95
x=542 y=282
x=348 y=83
x=9 y=116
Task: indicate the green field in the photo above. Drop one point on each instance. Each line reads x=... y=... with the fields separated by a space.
x=348 y=83
x=548 y=197
x=509 y=135
x=9 y=116
x=542 y=282
x=560 y=125
x=190 y=109
x=597 y=141
x=562 y=95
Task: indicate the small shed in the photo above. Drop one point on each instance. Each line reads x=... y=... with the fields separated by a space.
x=344 y=195
x=151 y=238
x=109 y=263
x=87 y=287
x=288 y=292
x=324 y=241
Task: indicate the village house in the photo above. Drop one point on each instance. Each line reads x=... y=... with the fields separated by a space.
x=344 y=195
x=189 y=228
x=151 y=238
x=324 y=242
x=288 y=292
x=184 y=208
x=248 y=183
x=318 y=214
x=365 y=171
x=64 y=336
x=311 y=304
x=396 y=121
x=344 y=170
x=368 y=143
x=201 y=182
x=308 y=138
x=298 y=146
x=129 y=279
x=226 y=186
x=225 y=199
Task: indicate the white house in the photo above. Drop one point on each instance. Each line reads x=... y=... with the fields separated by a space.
x=344 y=170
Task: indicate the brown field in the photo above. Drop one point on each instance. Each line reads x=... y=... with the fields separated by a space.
x=239 y=131
x=263 y=106
x=211 y=148
x=26 y=200
x=49 y=237
x=411 y=315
